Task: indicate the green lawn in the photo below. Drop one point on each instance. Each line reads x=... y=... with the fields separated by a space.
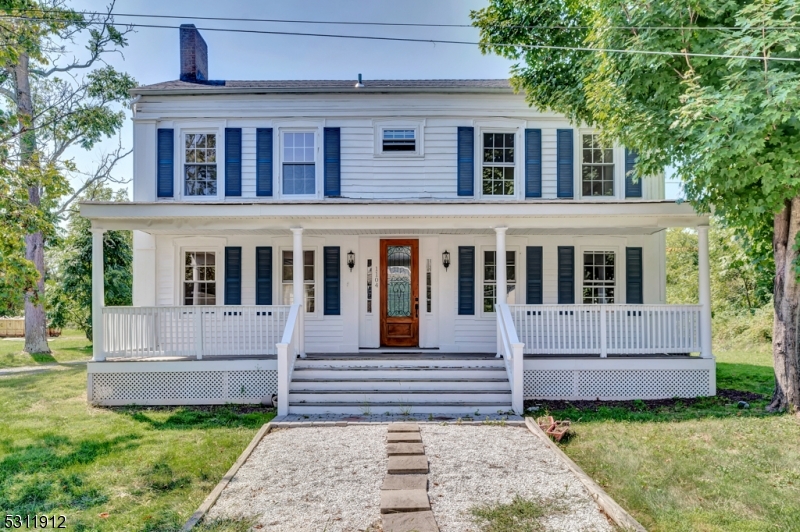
x=112 y=470
x=71 y=346
x=697 y=466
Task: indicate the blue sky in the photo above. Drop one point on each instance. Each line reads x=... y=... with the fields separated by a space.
x=152 y=53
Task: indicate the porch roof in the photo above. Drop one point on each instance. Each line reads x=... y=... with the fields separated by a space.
x=348 y=216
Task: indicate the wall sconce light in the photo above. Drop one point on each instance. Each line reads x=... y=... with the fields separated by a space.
x=351 y=260
x=446 y=259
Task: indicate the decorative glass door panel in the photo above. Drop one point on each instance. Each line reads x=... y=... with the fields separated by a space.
x=400 y=293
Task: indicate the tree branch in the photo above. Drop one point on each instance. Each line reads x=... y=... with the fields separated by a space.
x=101 y=174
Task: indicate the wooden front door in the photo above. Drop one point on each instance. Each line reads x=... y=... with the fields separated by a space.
x=399 y=293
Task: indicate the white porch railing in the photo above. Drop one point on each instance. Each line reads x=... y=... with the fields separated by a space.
x=608 y=329
x=510 y=348
x=289 y=348
x=199 y=331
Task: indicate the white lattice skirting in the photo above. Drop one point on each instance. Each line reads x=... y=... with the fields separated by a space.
x=618 y=379
x=182 y=383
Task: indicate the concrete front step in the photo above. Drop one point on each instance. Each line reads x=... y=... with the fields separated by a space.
x=400 y=397
x=453 y=409
x=398 y=373
x=378 y=362
x=398 y=386
x=300 y=384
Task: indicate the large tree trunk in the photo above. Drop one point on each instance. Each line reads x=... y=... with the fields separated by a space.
x=35 y=317
x=787 y=300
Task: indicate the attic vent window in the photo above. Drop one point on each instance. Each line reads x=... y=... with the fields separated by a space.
x=399 y=140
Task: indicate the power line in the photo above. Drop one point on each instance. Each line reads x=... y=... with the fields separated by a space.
x=413 y=24
x=470 y=43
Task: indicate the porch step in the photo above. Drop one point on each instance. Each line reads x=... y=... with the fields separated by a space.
x=452 y=408
x=437 y=385
x=362 y=385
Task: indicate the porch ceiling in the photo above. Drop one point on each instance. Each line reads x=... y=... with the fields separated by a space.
x=385 y=218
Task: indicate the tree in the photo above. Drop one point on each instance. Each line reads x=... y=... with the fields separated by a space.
x=54 y=107
x=729 y=125
x=70 y=300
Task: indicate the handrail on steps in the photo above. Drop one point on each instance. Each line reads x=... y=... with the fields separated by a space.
x=288 y=349
x=510 y=348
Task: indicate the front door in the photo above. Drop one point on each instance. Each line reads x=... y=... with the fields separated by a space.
x=399 y=293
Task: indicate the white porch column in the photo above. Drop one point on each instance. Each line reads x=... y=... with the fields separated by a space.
x=297 y=285
x=500 y=278
x=500 y=264
x=98 y=295
x=705 y=292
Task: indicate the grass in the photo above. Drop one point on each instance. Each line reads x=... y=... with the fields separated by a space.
x=697 y=466
x=127 y=469
x=520 y=515
x=71 y=346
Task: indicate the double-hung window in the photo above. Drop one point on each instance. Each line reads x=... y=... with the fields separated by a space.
x=299 y=174
x=399 y=140
x=200 y=164
x=490 y=279
x=597 y=168
x=498 y=164
x=199 y=278
x=287 y=276
x=599 y=277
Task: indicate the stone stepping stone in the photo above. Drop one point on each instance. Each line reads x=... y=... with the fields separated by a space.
x=394 y=437
x=393 y=449
x=403 y=427
x=410 y=522
x=393 y=501
x=408 y=464
x=405 y=482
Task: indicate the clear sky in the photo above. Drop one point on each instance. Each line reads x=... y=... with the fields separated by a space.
x=152 y=53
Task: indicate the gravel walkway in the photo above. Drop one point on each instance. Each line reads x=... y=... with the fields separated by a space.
x=329 y=478
x=310 y=479
x=476 y=465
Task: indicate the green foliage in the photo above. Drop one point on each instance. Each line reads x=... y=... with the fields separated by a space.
x=520 y=515
x=145 y=471
x=71 y=299
x=729 y=126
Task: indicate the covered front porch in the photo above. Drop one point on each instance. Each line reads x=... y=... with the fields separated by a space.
x=161 y=352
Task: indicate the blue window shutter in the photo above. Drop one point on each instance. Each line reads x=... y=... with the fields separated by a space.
x=634 y=278
x=533 y=163
x=466 y=161
x=565 y=175
x=466 y=280
x=533 y=277
x=165 y=172
x=632 y=190
x=233 y=276
x=264 y=161
x=233 y=161
x=333 y=162
x=566 y=275
x=264 y=275
x=331 y=272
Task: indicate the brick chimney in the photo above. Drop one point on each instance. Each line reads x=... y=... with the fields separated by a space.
x=194 y=55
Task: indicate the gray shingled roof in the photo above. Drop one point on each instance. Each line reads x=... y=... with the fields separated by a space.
x=374 y=85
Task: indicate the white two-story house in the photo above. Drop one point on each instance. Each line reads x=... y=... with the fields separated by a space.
x=385 y=245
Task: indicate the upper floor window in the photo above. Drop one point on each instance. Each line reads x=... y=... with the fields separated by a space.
x=599 y=277
x=200 y=164
x=399 y=140
x=498 y=164
x=299 y=174
x=490 y=279
x=199 y=278
x=597 y=169
x=287 y=275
